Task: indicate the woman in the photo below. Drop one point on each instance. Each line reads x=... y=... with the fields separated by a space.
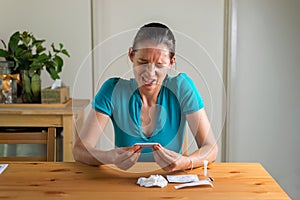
x=152 y=107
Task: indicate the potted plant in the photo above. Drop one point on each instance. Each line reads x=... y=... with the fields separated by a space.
x=30 y=57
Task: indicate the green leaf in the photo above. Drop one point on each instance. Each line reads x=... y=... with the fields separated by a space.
x=38 y=42
x=4 y=53
x=25 y=56
x=40 y=49
x=65 y=52
x=4 y=44
x=51 y=70
x=42 y=58
x=13 y=41
x=26 y=40
x=59 y=61
x=61 y=46
x=54 y=49
x=19 y=51
x=36 y=65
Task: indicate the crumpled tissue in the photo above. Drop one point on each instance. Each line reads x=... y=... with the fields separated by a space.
x=153 y=180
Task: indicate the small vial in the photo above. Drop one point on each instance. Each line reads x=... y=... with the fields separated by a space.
x=205 y=163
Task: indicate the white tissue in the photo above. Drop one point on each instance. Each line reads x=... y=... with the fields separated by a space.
x=153 y=180
x=57 y=84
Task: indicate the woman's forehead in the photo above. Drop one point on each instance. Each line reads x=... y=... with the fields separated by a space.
x=152 y=53
x=150 y=45
x=146 y=48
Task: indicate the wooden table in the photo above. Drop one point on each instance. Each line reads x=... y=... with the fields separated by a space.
x=74 y=180
x=26 y=115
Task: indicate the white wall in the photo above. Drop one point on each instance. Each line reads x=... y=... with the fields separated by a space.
x=265 y=94
x=65 y=21
x=198 y=28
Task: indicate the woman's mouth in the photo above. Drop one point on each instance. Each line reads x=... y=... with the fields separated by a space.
x=148 y=82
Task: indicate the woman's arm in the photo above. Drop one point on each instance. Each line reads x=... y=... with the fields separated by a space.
x=84 y=148
x=208 y=149
x=204 y=136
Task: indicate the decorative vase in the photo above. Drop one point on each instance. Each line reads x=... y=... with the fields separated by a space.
x=31 y=81
x=8 y=83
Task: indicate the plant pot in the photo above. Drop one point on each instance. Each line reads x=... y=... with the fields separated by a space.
x=31 y=82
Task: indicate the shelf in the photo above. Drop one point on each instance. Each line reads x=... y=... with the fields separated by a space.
x=37 y=105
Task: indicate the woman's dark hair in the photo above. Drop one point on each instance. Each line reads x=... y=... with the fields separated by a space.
x=155 y=33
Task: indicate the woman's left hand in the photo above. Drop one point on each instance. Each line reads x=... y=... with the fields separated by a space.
x=169 y=160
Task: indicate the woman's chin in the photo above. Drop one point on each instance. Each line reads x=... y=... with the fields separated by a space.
x=149 y=86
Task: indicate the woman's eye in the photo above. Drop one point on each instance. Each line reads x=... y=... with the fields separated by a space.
x=142 y=63
x=160 y=65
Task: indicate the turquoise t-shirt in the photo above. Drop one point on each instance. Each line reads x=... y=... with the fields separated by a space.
x=120 y=100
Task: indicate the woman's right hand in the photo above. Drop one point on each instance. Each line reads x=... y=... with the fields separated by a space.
x=85 y=151
x=125 y=157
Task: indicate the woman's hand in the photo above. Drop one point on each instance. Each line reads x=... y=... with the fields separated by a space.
x=170 y=160
x=125 y=157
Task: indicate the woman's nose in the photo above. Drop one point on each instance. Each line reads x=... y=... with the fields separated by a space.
x=151 y=69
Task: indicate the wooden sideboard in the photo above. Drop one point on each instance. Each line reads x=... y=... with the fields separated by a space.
x=69 y=117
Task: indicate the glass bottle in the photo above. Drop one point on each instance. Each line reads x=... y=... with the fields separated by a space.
x=8 y=83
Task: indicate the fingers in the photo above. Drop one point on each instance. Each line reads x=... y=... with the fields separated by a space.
x=167 y=155
x=159 y=160
x=127 y=157
x=166 y=159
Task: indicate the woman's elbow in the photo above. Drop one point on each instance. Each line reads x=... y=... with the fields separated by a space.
x=77 y=151
x=214 y=153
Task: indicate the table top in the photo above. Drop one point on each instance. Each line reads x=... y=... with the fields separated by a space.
x=72 y=180
x=73 y=106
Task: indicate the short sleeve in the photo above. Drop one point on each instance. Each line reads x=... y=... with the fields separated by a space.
x=102 y=101
x=189 y=97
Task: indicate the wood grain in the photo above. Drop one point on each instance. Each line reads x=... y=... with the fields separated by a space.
x=41 y=180
x=37 y=105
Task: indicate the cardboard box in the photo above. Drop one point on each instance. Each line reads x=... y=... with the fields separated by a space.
x=59 y=95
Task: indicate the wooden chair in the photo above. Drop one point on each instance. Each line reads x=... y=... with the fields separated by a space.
x=47 y=138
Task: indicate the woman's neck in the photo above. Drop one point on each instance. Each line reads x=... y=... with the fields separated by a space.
x=149 y=98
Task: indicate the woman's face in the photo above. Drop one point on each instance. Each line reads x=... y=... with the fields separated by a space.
x=150 y=66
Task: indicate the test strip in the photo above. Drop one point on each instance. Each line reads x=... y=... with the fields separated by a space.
x=196 y=183
x=146 y=144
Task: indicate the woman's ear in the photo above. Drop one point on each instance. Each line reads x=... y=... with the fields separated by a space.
x=130 y=54
x=172 y=61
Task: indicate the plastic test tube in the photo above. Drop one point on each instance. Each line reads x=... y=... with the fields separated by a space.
x=205 y=163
